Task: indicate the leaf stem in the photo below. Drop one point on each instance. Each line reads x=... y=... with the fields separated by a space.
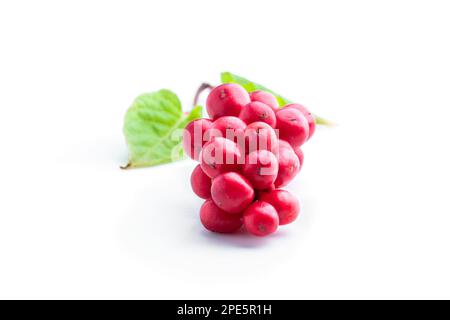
x=125 y=167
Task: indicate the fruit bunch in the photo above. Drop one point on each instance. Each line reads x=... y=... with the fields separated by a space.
x=248 y=150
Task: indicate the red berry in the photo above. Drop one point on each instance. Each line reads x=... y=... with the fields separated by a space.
x=220 y=155
x=292 y=126
x=298 y=151
x=226 y=100
x=195 y=136
x=308 y=115
x=258 y=111
x=201 y=183
x=288 y=162
x=216 y=220
x=260 y=136
x=287 y=206
x=261 y=219
x=232 y=192
x=228 y=127
x=265 y=97
x=261 y=169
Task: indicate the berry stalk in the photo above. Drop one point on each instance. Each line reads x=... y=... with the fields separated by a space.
x=204 y=86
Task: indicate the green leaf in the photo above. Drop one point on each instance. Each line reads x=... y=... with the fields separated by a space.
x=228 y=77
x=153 y=128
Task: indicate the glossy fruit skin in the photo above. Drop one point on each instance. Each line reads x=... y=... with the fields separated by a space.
x=289 y=165
x=286 y=204
x=261 y=169
x=293 y=126
x=220 y=155
x=226 y=100
x=216 y=220
x=261 y=219
x=201 y=183
x=301 y=157
x=232 y=192
x=266 y=98
x=228 y=127
x=195 y=136
x=257 y=111
x=260 y=136
x=308 y=115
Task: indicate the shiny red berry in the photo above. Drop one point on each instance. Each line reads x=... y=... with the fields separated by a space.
x=261 y=219
x=232 y=192
x=216 y=220
x=201 y=183
x=286 y=204
x=293 y=126
x=266 y=98
x=226 y=100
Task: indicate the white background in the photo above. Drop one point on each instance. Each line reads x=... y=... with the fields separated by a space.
x=375 y=189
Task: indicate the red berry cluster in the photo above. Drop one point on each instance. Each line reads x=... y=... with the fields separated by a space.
x=248 y=150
